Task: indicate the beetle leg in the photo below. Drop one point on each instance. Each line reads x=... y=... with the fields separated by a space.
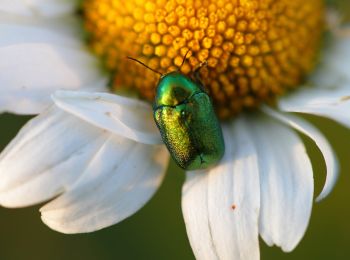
x=196 y=73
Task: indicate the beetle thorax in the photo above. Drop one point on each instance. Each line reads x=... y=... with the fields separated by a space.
x=174 y=89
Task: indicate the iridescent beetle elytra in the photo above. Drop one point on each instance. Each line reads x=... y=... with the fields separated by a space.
x=186 y=119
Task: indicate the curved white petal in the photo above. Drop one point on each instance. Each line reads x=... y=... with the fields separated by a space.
x=286 y=183
x=221 y=205
x=31 y=72
x=120 y=178
x=322 y=143
x=128 y=117
x=38 y=7
x=102 y=177
x=331 y=103
x=46 y=157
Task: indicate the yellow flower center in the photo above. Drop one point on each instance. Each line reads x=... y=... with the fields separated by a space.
x=255 y=49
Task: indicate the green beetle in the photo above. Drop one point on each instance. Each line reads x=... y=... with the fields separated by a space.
x=186 y=120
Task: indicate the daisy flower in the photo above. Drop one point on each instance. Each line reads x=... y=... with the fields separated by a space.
x=98 y=157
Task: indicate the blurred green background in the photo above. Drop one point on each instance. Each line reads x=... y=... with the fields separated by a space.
x=157 y=231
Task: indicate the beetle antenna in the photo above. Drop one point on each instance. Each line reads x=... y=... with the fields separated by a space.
x=130 y=58
x=184 y=59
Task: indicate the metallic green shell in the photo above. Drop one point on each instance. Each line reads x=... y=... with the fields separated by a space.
x=187 y=122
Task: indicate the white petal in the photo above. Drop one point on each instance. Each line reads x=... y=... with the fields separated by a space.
x=103 y=178
x=286 y=183
x=23 y=33
x=128 y=117
x=69 y=25
x=221 y=205
x=31 y=72
x=38 y=7
x=16 y=7
x=45 y=158
x=331 y=103
x=118 y=181
x=53 y=7
x=334 y=68
x=322 y=143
